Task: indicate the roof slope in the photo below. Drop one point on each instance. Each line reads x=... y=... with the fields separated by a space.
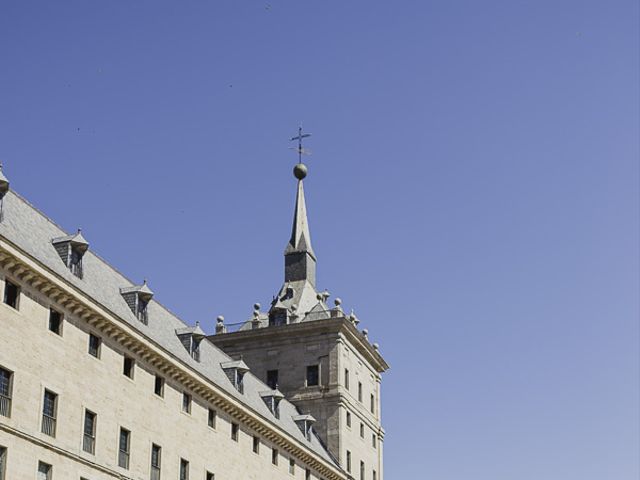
x=32 y=232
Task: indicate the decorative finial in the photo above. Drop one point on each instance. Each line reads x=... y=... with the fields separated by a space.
x=256 y=306
x=220 y=319
x=301 y=151
x=337 y=302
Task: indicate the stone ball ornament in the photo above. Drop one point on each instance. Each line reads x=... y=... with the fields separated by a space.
x=300 y=171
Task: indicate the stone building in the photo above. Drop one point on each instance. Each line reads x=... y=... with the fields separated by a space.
x=99 y=381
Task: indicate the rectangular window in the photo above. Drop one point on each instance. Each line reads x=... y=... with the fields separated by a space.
x=11 y=294
x=272 y=379
x=373 y=440
x=372 y=404
x=313 y=377
x=234 y=432
x=274 y=456
x=348 y=461
x=349 y=419
x=124 y=447
x=292 y=466
x=210 y=476
x=375 y=475
x=211 y=418
x=346 y=378
x=49 y=410
x=256 y=444
x=184 y=469
x=3 y=462
x=156 y=461
x=89 y=437
x=361 y=470
x=94 y=345
x=307 y=474
x=360 y=391
x=361 y=430
x=44 y=471
x=55 y=321
x=128 y=364
x=158 y=386
x=6 y=387
x=186 y=402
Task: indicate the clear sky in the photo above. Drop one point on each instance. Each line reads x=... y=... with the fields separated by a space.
x=473 y=194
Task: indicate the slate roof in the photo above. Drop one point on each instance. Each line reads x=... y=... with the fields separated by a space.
x=33 y=232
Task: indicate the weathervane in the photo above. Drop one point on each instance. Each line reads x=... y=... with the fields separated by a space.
x=301 y=151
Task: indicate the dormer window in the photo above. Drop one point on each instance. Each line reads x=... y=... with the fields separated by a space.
x=277 y=317
x=235 y=371
x=138 y=299
x=272 y=398
x=71 y=250
x=190 y=337
x=305 y=423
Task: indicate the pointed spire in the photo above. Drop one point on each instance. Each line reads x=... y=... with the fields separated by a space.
x=300 y=260
x=300 y=237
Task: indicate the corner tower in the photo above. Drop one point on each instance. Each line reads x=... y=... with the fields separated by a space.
x=316 y=355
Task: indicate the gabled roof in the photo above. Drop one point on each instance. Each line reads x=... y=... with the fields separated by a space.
x=32 y=232
x=76 y=239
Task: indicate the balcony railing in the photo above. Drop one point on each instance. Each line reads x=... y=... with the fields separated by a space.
x=155 y=473
x=123 y=459
x=49 y=425
x=5 y=406
x=89 y=444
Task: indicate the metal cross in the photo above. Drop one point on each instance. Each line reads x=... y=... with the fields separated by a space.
x=301 y=151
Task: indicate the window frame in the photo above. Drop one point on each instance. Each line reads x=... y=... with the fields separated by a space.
x=49 y=421
x=124 y=455
x=212 y=418
x=6 y=399
x=60 y=320
x=49 y=470
x=98 y=350
x=157 y=467
x=158 y=386
x=183 y=472
x=128 y=366
x=269 y=381
x=3 y=461
x=311 y=368
x=89 y=439
x=187 y=400
x=235 y=431
x=8 y=284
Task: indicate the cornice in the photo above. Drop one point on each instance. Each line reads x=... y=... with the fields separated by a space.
x=338 y=325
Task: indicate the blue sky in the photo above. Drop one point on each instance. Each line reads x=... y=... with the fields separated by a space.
x=473 y=194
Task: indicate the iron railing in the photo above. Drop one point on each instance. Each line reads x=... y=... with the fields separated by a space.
x=48 y=425
x=89 y=444
x=155 y=472
x=5 y=405
x=123 y=459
